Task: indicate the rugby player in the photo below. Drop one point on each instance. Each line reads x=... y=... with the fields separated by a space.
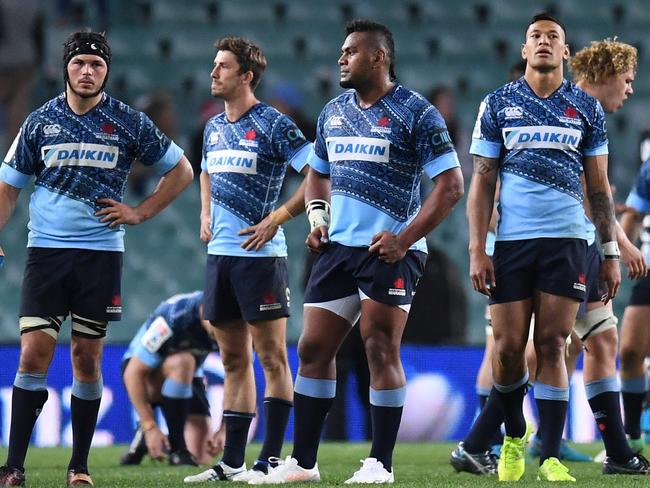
x=80 y=147
x=539 y=259
x=163 y=366
x=373 y=144
x=246 y=152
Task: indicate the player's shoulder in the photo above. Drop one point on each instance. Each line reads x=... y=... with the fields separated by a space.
x=510 y=89
x=578 y=95
x=215 y=121
x=345 y=98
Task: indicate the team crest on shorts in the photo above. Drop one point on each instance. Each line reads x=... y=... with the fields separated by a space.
x=270 y=301
x=399 y=288
x=581 y=285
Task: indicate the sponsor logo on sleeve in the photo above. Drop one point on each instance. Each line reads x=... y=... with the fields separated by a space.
x=358 y=149
x=156 y=335
x=80 y=154
x=232 y=161
x=541 y=137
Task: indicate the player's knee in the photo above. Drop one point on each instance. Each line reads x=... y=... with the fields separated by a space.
x=380 y=352
x=310 y=352
x=180 y=366
x=86 y=363
x=273 y=362
x=550 y=347
x=631 y=355
x=603 y=345
x=235 y=360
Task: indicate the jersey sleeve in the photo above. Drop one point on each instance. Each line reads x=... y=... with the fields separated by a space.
x=204 y=161
x=289 y=143
x=639 y=197
x=22 y=159
x=595 y=141
x=486 y=138
x=318 y=158
x=155 y=149
x=433 y=145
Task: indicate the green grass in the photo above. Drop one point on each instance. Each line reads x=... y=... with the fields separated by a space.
x=416 y=465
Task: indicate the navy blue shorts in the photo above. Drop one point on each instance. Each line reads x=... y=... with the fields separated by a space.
x=641 y=293
x=199 y=404
x=251 y=289
x=554 y=266
x=340 y=271
x=593 y=293
x=80 y=281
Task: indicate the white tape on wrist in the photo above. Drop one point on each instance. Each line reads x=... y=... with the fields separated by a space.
x=611 y=251
x=318 y=213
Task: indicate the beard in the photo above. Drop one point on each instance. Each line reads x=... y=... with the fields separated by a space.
x=85 y=94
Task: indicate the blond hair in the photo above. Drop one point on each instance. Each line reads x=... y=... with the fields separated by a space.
x=601 y=60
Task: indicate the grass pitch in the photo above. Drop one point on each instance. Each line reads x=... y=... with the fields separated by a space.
x=416 y=465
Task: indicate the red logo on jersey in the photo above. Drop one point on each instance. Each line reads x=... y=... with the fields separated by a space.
x=582 y=279
x=250 y=135
x=269 y=298
x=116 y=301
x=107 y=128
x=570 y=112
x=383 y=122
x=602 y=427
x=399 y=283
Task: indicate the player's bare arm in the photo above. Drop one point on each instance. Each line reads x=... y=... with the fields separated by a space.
x=631 y=222
x=168 y=188
x=480 y=205
x=447 y=191
x=265 y=230
x=317 y=192
x=603 y=218
x=8 y=197
x=135 y=377
x=206 y=213
x=631 y=256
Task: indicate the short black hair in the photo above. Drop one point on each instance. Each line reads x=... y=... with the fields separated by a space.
x=364 y=25
x=546 y=16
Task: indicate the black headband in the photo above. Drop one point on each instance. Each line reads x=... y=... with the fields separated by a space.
x=86 y=43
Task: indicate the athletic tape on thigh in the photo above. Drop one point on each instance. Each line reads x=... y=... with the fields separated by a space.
x=363 y=296
x=90 y=329
x=50 y=325
x=348 y=307
x=595 y=322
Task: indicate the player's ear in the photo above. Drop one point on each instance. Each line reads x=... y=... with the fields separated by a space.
x=248 y=78
x=523 y=50
x=380 y=57
x=566 y=53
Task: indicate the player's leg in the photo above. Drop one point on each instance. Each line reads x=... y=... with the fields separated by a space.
x=598 y=327
x=43 y=307
x=236 y=351
x=634 y=346
x=269 y=340
x=178 y=370
x=95 y=300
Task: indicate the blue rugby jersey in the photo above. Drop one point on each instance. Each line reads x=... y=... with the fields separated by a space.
x=375 y=158
x=639 y=199
x=179 y=330
x=78 y=159
x=540 y=144
x=247 y=161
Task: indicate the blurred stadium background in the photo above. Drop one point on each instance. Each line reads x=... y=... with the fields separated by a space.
x=162 y=57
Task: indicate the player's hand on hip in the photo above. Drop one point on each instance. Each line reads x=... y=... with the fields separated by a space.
x=116 y=213
x=260 y=234
x=481 y=272
x=317 y=239
x=388 y=246
x=610 y=277
x=157 y=443
x=205 y=232
x=634 y=261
